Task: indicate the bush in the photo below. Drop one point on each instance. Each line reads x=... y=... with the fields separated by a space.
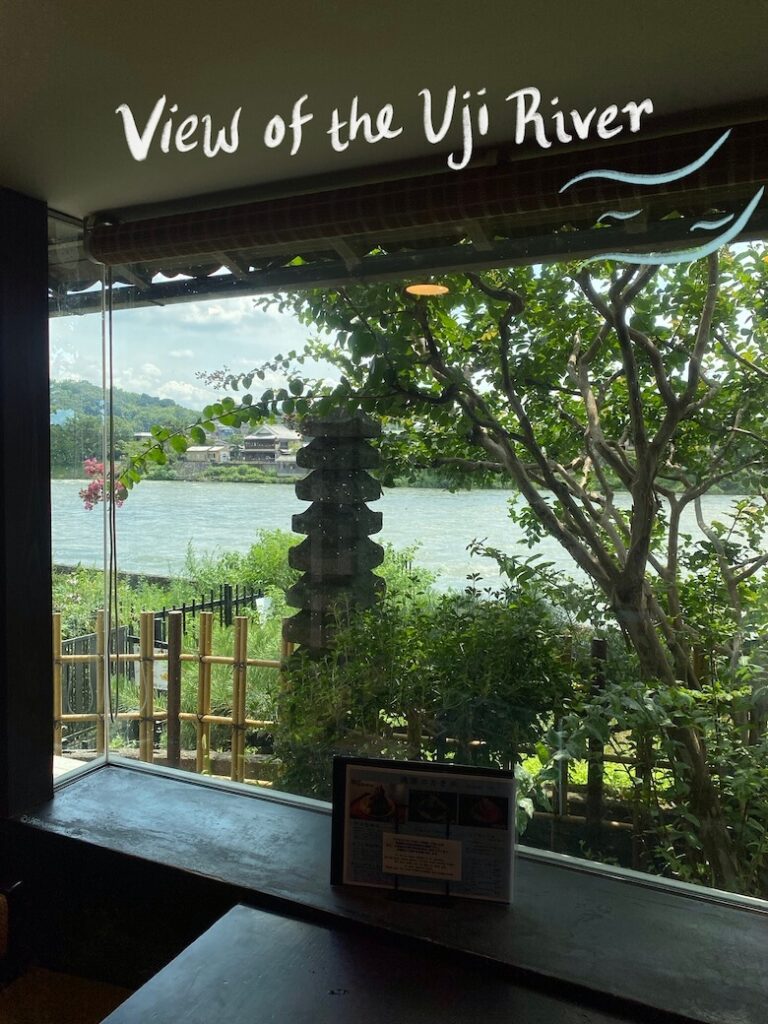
x=236 y=474
x=449 y=677
x=628 y=711
x=264 y=566
x=78 y=594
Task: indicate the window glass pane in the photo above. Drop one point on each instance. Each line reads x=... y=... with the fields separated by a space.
x=590 y=612
x=201 y=543
x=78 y=404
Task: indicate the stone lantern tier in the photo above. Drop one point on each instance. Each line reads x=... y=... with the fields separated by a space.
x=337 y=596
x=341 y=427
x=348 y=488
x=336 y=553
x=337 y=455
x=343 y=520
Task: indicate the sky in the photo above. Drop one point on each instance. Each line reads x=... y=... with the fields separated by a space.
x=158 y=350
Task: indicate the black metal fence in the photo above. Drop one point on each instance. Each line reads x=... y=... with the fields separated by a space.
x=229 y=601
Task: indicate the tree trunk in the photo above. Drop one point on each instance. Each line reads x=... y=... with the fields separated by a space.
x=704 y=800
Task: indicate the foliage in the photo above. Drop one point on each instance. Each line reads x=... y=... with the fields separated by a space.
x=264 y=566
x=245 y=474
x=77 y=432
x=139 y=411
x=80 y=593
x=448 y=677
x=571 y=383
x=625 y=713
x=78 y=438
x=406 y=582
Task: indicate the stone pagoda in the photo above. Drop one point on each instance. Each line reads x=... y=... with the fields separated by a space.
x=337 y=555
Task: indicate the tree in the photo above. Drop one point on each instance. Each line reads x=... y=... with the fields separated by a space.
x=575 y=384
x=78 y=438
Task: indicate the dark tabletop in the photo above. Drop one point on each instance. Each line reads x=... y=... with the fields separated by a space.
x=260 y=967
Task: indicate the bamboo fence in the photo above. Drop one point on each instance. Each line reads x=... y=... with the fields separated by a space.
x=147 y=714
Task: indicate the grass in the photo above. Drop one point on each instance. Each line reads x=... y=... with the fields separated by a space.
x=262 y=686
x=618 y=779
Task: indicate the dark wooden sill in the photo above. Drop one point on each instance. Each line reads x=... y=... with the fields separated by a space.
x=657 y=947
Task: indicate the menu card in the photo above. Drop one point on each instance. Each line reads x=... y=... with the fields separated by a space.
x=423 y=826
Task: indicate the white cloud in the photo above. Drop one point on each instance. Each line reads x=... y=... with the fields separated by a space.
x=181 y=353
x=192 y=395
x=63 y=363
x=229 y=311
x=71 y=364
x=142 y=379
x=75 y=348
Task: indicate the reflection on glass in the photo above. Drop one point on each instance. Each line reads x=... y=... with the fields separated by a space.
x=635 y=717
x=77 y=409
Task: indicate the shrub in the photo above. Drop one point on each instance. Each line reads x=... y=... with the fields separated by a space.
x=264 y=566
x=628 y=712
x=449 y=677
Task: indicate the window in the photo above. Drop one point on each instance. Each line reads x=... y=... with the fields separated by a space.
x=508 y=655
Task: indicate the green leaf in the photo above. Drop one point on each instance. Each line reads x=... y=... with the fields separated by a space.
x=362 y=343
x=157 y=455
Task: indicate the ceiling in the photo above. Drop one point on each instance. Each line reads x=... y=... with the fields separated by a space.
x=65 y=67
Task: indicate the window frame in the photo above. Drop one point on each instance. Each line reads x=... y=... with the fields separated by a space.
x=26 y=682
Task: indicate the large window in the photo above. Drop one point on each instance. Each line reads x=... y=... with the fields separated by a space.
x=590 y=611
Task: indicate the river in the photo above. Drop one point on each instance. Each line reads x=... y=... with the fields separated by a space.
x=161 y=519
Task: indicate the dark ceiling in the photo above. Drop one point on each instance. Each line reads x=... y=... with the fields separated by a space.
x=65 y=67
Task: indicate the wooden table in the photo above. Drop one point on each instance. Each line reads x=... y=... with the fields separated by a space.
x=253 y=966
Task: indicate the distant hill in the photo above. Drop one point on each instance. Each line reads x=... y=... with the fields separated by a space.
x=139 y=412
x=77 y=424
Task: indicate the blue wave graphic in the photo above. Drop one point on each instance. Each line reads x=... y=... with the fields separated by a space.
x=651 y=179
x=687 y=255
x=711 y=225
x=619 y=214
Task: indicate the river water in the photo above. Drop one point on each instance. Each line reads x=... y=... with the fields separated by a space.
x=161 y=519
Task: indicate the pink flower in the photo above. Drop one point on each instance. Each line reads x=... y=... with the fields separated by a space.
x=94 y=492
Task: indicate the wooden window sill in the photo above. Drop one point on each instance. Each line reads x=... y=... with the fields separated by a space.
x=612 y=932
